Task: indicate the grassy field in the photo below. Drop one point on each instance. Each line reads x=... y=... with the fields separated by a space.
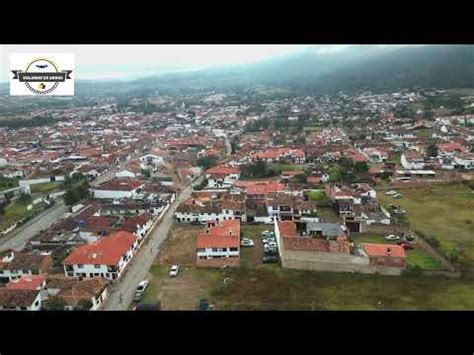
x=46 y=187
x=15 y=212
x=317 y=195
x=443 y=211
x=273 y=288
x=283 y=167
x=423 y=133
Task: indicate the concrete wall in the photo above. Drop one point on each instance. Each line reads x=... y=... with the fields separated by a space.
x=335 y=262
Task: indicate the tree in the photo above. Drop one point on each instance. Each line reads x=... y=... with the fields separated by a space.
x=24 y=198
x=432 y=150
x=84 y=305
x=334 y=174
x=361 y=166
x=207 y=162
x=54 y=304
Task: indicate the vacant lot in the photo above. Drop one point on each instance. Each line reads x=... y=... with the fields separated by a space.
x=15 y=212
x=443 y=211
x=273 y=288
x=46 y=187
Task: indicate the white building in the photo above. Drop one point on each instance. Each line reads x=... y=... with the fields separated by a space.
x=116 y=189
x=106 y=258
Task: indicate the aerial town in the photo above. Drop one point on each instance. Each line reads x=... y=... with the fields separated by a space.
x=223 y=200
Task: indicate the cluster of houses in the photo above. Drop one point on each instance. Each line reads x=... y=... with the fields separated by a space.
x=91 y=247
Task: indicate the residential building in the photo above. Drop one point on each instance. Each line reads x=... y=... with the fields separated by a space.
x=219 y=245
x=105 y=258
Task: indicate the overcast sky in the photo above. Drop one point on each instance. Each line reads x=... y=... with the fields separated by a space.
x=126 y=61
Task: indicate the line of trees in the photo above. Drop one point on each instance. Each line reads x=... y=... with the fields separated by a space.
x=76 y=188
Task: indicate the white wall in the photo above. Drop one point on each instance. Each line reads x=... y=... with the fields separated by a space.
x=111 y=194
x=209 y=253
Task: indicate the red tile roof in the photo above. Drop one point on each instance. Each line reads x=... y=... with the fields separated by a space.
x=33 y=282
x=225 y=235
x=120 y=185
x=383 y=250
x=107 y=251
x=223 y=170
x=287 y=228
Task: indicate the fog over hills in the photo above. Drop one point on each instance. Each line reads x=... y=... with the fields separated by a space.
x=355 y=67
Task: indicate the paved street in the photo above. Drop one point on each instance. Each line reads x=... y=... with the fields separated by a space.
x=121 y=294
x=18 y=238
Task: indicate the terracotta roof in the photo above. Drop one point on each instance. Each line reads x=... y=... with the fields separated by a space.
x=76 y=291
x=223 y=170
x=107 y=251
x=287 y=228
x=120 y=185
x=17 y=298
x=383 y=250
x=225 y=235
x=33 y=282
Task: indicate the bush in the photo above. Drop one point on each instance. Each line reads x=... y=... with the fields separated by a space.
x=454 y=256
x=83 y=305
x=54 y=304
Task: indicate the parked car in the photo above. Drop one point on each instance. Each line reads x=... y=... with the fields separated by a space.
x=273 y=245
x=392 y=237
x=142 y=286
x=140 y=291
x=270 y=259
x=391 y=192
x=410 y=238
x=406 y=245
x=174 y=269
x=246 y=242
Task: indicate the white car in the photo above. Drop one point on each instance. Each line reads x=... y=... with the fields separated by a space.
x=140 y=290
x=174 y=269
x=142 y=286
x=273 y=245
x=391 y=192
x=247 y=242
x=392 y=237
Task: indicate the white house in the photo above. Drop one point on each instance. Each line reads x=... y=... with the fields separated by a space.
x=219 y=245
x=412 y=160
x=105 y=258
x=151 y=161
x=20 y=300
x=222 y=176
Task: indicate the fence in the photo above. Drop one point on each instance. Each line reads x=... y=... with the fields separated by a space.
x=431 y=251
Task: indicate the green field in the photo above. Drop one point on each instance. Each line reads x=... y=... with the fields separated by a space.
x=270 y=287
x=14 y=212
x=443 y=211
x=46 y=187
x=283 y=167
x=317 y=195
